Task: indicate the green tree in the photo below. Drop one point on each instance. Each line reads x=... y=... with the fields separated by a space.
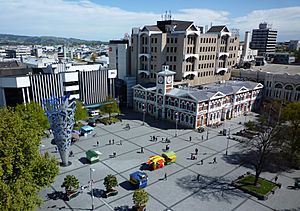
x=110 y=181
x=140 y=198
x=34 y=111
x=93 y=57
x=71 y=183
x=23 y=170
x=291 y=117
x=81 y=112
x=110 y=106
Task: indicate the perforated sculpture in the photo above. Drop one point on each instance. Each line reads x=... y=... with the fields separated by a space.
x=60 y=112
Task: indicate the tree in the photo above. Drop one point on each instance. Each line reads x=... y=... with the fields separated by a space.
x=262 y=145
x=110 y=181
x=23 y=170
x=110 y=106
x=34 y=111
x=291 y=117
x=81 y=112
x=93 y=57
x=70 y=183
x=140 y=198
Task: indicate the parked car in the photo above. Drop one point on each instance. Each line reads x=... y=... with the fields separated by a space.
x=201 y=130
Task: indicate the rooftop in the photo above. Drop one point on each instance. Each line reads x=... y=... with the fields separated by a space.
x=279 y=69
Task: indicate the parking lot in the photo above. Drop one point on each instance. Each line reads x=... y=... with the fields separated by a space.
x=181 y=190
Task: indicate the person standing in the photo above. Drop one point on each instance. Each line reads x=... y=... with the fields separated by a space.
x=198 y=177
x=142 y=149
x=215 y=160
x=275 y=179
x=120 y=142
x=166 y=176
x=97 y=143
x=196 y=151
x=201 y=162
x=190 y=138
x=202 y=137
x=113 y=141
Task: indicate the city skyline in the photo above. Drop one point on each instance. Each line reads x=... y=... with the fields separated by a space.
x=104 y=20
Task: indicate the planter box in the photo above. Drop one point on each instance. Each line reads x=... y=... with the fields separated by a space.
x=71 y=195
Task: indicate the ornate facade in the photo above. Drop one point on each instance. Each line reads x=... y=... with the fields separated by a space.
x=193 y=107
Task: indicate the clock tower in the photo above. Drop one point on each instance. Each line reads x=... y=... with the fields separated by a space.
x=165 y=80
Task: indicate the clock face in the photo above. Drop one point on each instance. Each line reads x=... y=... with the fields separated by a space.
x=160 y=79
x=169 y=79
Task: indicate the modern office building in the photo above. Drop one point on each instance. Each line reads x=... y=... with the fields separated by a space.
x=264 y=39
x=281 y=82
x=195 y=57
x=89 y=83
x=193 y=107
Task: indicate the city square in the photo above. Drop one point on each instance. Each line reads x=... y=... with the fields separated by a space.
x=183 y=189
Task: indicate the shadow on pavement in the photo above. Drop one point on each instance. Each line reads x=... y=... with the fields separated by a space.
x=127 y=185
x=209 y=188
x=83 y=160
x=123 y=208
x=56 y=195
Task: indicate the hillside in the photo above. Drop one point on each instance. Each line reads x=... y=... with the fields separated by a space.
x=9 y=39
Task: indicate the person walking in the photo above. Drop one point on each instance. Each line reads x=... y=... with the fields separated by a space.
x=202 y=137
x=114 y=154
x=120 y=142
x=113 y=141
x=97 y=143
x=167 y=147
x=275 y=179
x=196 y=151
x=215 y=160
x=190 y=138
x=142 y=149
x=166 y=176
x=201 y=162
x=56 y=149
x=109 y=142
x=198 y=177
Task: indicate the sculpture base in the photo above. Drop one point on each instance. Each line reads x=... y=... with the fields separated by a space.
x=65 y=165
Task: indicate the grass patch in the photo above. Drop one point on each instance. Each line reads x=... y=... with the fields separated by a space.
x=264 y=186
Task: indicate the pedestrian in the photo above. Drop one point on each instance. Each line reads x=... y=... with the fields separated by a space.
x=190 y=138
x=97 y=143
x=192 y=156
x=166 y=176
x=196 y=151
x=198 y=177
x=202 y=137
x=275 y=179
x=56 y=150
x=120 y=142
x=71 y=154
x=142 y=149
x=114 y=154
x=201 y=162
x=113 y=141
x=215 y=160
x=109 y=142
x=162 y=139
x=167 y=147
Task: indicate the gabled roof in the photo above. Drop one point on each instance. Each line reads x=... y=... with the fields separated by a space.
x=177 y=25
x=218 y=29
x=151 y=28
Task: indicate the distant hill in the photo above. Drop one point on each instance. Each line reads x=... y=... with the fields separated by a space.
x=10 y=39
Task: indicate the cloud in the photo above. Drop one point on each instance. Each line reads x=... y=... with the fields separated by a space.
x=285 y=20
x=87 y=20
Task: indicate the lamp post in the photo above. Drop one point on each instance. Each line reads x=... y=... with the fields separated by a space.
x=176 y=122
x=207 y=133
x=227 y=141
x=91 y=181
x=144 y=113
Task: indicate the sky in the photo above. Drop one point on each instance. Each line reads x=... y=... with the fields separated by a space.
x=111 y=19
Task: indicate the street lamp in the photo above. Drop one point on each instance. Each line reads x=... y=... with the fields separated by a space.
x=227 y=141
x=176 y=120
x=144 y=113
x=91 y=181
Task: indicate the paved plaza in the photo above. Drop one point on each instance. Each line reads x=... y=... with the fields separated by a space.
x=181 y=191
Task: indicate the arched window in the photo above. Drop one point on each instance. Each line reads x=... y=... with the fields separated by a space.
x=288 y=87
x=278 y=86
x=187 y=119
x=176 y=103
